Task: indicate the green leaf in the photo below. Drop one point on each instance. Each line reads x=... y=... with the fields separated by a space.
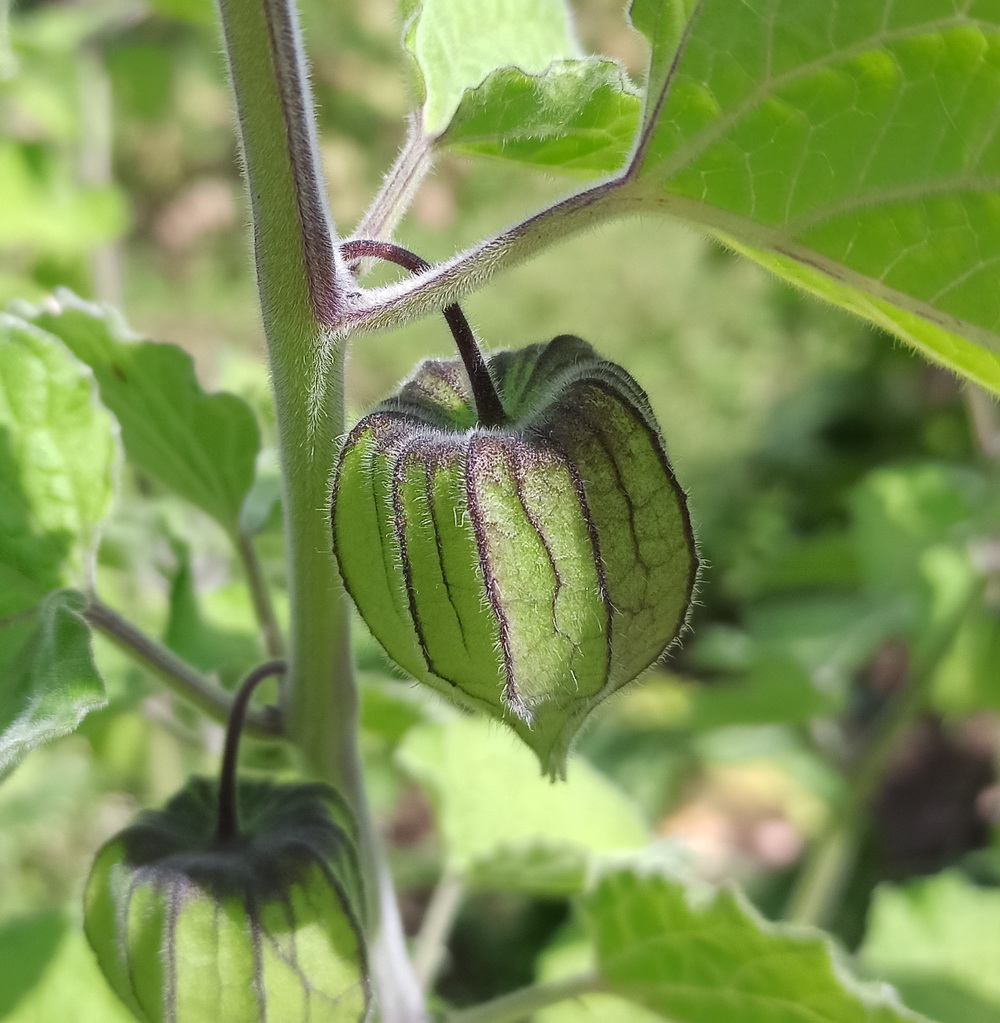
x=504 y=826
x=48 y=681
x=852 y=148
x=507 y=79
x=937 y=940
x=456 y=45
x=53 y=976
x=578 y=117
x=573 y=958
x=57 y=454
x=202 y=446
x=707 y=957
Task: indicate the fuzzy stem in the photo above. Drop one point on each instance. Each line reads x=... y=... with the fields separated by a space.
x=260 y=595
x=228 y=812
x=520 y=1005
x=186 y=681
x=305 y=289
x=489 y=408
x=399 y=185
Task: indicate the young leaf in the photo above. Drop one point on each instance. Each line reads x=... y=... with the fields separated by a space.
x=202 y=446
x=502 y=824
x=578 y=117
x=48 y=681
x=852 y=148
x=937 y=941
x=698 y=958
x=509 y=81
x=57 y=453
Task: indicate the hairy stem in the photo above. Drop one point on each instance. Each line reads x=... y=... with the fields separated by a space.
x=184 y=680
x=489 y=408
x=228 y=812
x=260 y=595
x=828 y=866
x=520 y=1005
x=305 y=290
x=399 y=185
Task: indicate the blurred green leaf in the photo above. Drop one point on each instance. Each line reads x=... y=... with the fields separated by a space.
x=853 y=149
x=898 y=513
x=578 y=117
x=202 y=446
x=44 y=209
x=57 y=452
x=31 y=942
x=501 y=823
x=192 y=636
x=48 y=680
x=938 y=941
x=699 y=957
x=68 y=987
x=572 y=958
x=776 y=689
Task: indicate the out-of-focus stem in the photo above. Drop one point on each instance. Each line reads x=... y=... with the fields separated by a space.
x=184 y=680
x=260 y=595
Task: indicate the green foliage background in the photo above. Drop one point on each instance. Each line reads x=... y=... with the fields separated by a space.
x=841 y=486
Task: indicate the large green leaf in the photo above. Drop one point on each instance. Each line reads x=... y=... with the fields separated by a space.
x=698 y=957
x=852 y=147
x=938 y=941
x=502 y=824
x=203 y=446
x=507 y=79
x=48 y=681
x=57 y=454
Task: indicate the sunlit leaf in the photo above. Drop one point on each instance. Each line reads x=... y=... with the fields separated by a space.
x=48 y=681
x=937 y=940
x=577 y=117
x=508 y=80
x=852 y=147
x=202 y=446
x=707 y=957
x=57 y=454
x=502 y=824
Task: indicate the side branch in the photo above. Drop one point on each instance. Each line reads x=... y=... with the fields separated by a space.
x=396 y=304
x=186 y=681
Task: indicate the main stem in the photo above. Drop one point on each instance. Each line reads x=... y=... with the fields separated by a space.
x=304 y=287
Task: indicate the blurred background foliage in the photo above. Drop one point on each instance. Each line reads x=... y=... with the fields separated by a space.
x=845 y=494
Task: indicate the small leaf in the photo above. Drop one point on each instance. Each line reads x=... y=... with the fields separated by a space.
x=202 y=446
x=48 y=681
x=57 y=454
x=508 y=80
x=455 y=46
x=937 y=940
x=504 y=826
x=578 y=117
x=699 y=957
x=853 y=149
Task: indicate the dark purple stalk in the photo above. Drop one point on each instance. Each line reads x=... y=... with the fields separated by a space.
x=489 y=408
x=228 y=815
